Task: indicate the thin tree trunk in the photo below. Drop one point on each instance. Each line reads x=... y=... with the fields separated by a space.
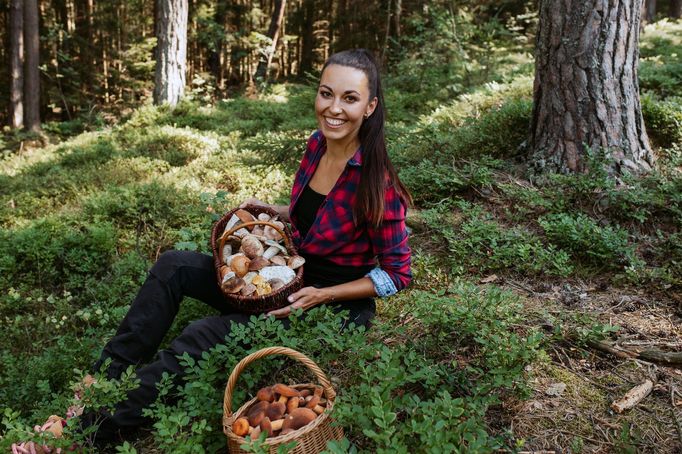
x=650 y=10
x=16 y=37
x=215 y=57
x=273 y=34
x=171 y=51
x=32 y=66
x=307 y=37
x=586 y=92
x=397 y=12
x=675 y=9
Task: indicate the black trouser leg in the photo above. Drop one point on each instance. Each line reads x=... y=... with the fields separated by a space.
x=174 y=275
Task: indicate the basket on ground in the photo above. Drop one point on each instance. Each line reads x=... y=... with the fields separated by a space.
x=310 y=439
x=254 y=304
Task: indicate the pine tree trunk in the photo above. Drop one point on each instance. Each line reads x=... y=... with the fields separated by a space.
x=650 y=10
x=16 y=39
x=586 y=92
x=675 y=9
x=171 y=51
x=215 y=57
x=273 y=34
x=31 y=68
x=307 y=37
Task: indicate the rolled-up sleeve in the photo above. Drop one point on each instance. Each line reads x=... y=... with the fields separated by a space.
x=389 y=243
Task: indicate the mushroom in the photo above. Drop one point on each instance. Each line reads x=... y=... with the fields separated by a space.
x=258 y=280
x=264 y=217
x=275 y=411
x=240 y=265
x=233 y=285
x=276 y=284
x=258 y=263
x=240 y=427
x=258 y=230
x=284 y=273
x=244 y=216
x=292 y=404
x=295 y=262
x=229 y=258
x=266 y=394
x=272 y=233
x=278 y=260
x=298 y=418
x=263 y=289
x=248 y=290
x=227 y=276
x=285 y=390
x=257 y=412
x=252 y=247
x=248 y=277
x=266 y=427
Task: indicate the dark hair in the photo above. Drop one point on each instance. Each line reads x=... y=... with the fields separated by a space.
x=377 y=170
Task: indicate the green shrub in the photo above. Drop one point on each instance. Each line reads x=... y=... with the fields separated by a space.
x=478 y=244
x=663 y=121
x=606 y=247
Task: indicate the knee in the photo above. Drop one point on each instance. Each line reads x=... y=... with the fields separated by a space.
x=168 y=263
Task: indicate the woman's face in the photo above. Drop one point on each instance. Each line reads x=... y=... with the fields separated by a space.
x=342 y=102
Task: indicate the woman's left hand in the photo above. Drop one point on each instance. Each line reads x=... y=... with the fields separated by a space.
x=304 y=299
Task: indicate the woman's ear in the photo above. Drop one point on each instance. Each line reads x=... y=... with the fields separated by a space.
x=371 y=106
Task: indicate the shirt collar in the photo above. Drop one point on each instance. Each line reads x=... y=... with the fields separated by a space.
x=356 y=160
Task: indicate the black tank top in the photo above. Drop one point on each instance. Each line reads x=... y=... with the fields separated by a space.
x=319 y=271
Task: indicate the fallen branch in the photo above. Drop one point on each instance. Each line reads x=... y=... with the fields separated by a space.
x=673 y=359
x=633 y=397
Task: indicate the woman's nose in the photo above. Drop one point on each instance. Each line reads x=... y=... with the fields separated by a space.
x=335 y=107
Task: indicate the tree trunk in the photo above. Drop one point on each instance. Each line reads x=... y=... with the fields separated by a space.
x=675 y=9
x=586 y=92
x=171 y=51
x=396 y=17
x=215 y=57
x=16 y=39
x=273 y=34
x=31 y=68
x=650 y=6
x=307 y=37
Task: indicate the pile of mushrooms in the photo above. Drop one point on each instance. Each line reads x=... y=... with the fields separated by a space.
x=254 y=260
x=280 y=409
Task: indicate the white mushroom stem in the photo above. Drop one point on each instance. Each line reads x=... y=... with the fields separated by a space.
x=271 y=252
x=232 y=222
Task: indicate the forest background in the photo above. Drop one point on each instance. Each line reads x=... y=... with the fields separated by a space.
x=538 y=298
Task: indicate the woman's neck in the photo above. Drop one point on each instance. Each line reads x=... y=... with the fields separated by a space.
x=342 y=151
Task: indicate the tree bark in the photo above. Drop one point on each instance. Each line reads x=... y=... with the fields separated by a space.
x=171 y=51
x=273 y=34
x=307 y=37
x=16 y=38
x=215 y=57
x=586 y=92
x=675 y=9
x=32 y=66
x=650 y=6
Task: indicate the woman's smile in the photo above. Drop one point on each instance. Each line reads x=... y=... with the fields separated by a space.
x=334 y=122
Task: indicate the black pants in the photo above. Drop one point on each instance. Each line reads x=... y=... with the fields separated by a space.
x=176 y=274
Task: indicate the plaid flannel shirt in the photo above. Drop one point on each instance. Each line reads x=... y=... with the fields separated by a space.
x=335 y=236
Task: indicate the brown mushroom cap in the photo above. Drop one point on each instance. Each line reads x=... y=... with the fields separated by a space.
x=248 y=289
x=276 y=284
x=295 y=262
x=252 y=247
x=240 y=265
x=233 y=285
x=244 y=216
x=278 y=260
x=258 y=263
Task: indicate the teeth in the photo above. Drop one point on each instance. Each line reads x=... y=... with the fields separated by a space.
x=335 y=122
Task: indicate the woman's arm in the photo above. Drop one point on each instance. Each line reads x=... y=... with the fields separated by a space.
x=282 y=210
x=309 y=297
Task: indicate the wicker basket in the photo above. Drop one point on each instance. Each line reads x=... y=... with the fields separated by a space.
x=254 y=304
x=311 y=438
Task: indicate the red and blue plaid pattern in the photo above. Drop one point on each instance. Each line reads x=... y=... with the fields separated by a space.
x=335 y=237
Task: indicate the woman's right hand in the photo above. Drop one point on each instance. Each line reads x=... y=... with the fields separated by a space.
x=254 y=201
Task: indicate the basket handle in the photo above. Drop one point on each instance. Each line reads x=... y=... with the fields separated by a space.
x=224 y=236
x=309 y=363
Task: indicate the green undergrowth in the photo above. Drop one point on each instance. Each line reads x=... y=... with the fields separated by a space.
x=83 y=220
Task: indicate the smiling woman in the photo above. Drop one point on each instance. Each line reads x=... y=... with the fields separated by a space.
x=347 y=214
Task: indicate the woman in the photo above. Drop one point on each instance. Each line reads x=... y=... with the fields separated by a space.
x=347 y=210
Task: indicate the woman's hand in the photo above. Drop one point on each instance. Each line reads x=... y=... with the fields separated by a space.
x=304 y=299
x=254 y=201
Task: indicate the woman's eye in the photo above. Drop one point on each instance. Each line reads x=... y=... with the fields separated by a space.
x=351 y=99
x=325 y=94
